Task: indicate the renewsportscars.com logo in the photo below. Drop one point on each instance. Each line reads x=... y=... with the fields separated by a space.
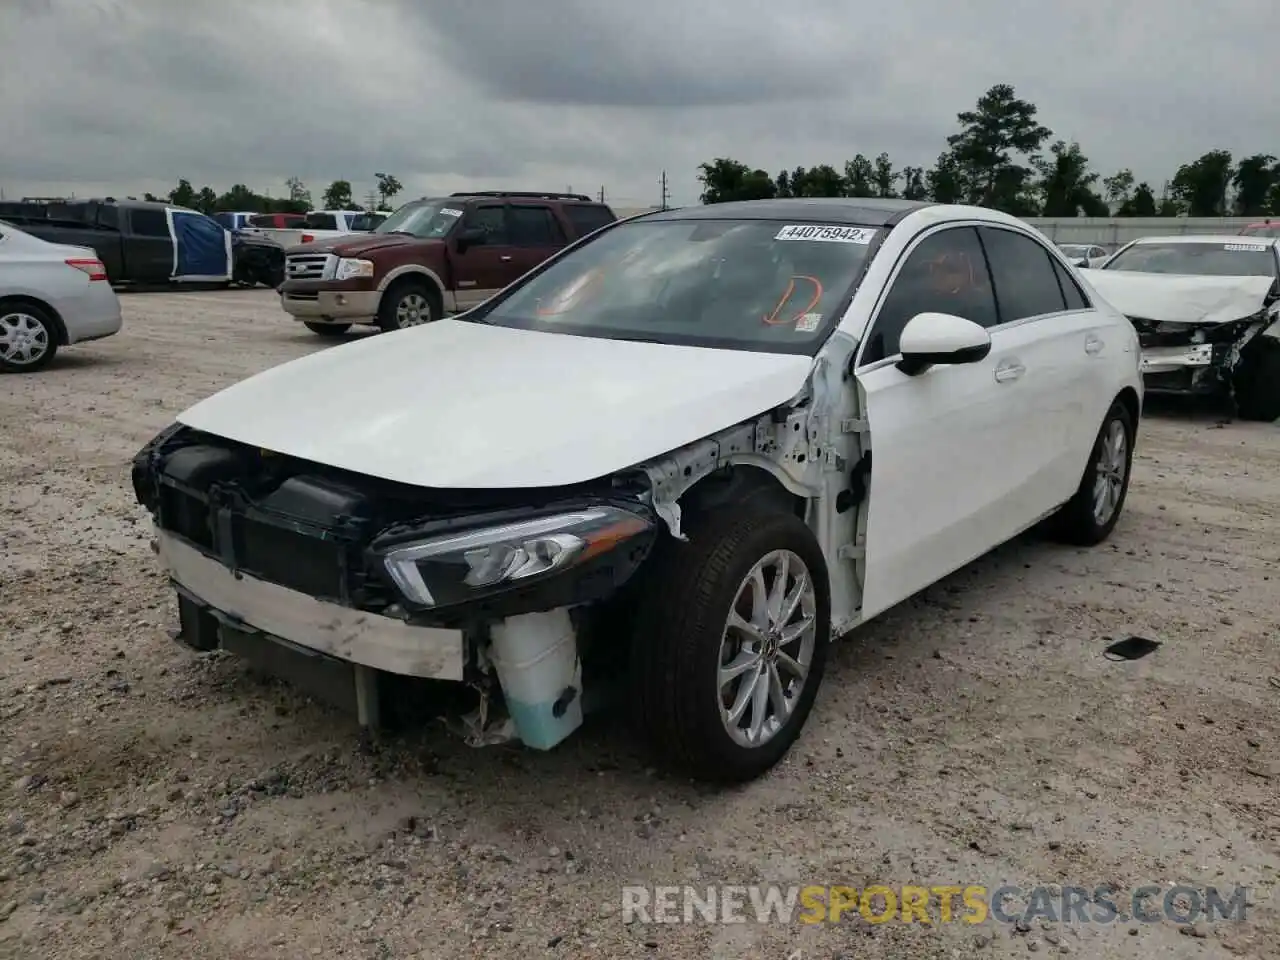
x=970 y=904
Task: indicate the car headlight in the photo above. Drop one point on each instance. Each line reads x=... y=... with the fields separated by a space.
x=349 y=268
x=455 y=567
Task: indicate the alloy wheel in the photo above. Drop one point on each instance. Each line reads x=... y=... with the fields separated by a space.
x=413 y=309
x=1109 y=472
x=767 y=648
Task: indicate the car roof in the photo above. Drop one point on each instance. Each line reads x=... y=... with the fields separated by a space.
x=1211 y=238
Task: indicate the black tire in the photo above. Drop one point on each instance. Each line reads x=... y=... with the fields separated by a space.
x=675 y=654
x=333 y=330
x=1076 y=521
x=32 y=321
x=418 y=296
x=1257 y=380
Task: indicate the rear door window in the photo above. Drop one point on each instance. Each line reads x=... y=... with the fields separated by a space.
x=1071 y=292
x=533 y=226
x=322 y=221
x=1022 y=272
x=587 y=218
x=149 y=223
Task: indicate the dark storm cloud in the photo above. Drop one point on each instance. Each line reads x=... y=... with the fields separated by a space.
x=642 y=54
x=129 y=95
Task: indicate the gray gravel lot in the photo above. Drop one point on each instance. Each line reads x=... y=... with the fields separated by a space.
x=158 y=803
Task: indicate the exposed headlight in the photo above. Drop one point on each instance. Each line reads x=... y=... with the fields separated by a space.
x=349 y=268
x=455 y=567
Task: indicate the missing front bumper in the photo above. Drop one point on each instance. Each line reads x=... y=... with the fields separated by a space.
x=358 y=637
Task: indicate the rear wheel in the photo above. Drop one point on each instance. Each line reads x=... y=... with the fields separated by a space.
x=1091 y=515
x=28 y=337
x=731 y=643
x=329 y=329
x=409 y=303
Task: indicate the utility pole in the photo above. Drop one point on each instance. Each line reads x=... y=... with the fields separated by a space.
x=602 y=194
x=666 y=194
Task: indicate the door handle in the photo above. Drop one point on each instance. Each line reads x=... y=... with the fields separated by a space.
x=505 y=258
x=1009 y=370
x=1093 y=345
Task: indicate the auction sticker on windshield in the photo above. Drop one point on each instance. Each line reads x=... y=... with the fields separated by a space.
x=450 y=212
x=1250 y=247
x=821 y=234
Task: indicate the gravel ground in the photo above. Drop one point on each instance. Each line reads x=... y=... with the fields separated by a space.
x=158 y=803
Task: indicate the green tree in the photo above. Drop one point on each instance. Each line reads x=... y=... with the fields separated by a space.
x=206 y=200
x=913 y=187
x=884 y=177
x=388 y=187
x=944 y=179
x=724 y=180
x=1201 y=186
x=1118 y=188
x=240 y=197
x=993 y=140
x=183 y=195
x=1066 y=184
x=782 y=184
x=1254 y=179
x=859 y=177
x=338 y=195
x=1143 y=203
x=823 y=181
x=299 y=195
x=152 y=198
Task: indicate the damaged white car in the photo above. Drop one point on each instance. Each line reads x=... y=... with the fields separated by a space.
x=1207 y=315
x=683 y=455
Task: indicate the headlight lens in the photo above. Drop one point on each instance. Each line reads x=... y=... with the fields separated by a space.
x=455 y=567
x=349 y=268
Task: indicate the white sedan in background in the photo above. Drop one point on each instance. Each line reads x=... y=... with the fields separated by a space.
x=655 y=452
x=51 y=295
x=1084 y=254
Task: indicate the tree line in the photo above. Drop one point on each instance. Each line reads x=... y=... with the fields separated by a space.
x=999 y=159
x=337 y=196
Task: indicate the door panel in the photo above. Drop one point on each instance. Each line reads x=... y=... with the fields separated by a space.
x=535 y=234
x=947 y=480
x=482 y=269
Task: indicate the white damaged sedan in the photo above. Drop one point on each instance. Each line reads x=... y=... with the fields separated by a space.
x=684 y=454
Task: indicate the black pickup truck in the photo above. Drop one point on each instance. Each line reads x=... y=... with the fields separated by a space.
x=150 y=243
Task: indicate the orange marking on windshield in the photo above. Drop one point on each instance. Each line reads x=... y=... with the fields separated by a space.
x=773 y=320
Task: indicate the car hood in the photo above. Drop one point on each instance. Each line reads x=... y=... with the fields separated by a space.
x=1173 y=298
x=458 y=404
x=359 y=244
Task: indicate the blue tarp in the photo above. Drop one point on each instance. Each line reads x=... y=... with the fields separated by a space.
x=202 y=248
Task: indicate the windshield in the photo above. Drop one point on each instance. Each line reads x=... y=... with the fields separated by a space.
x=430 y=219
x=367 y=221
x=735 y=284
x=1074 y=249
x=1231 y=258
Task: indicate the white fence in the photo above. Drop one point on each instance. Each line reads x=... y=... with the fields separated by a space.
x=1113 y=232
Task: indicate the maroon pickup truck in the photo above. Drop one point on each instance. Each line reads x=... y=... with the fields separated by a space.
x=432 y=257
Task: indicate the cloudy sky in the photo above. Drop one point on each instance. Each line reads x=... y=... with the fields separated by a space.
x=122 y=96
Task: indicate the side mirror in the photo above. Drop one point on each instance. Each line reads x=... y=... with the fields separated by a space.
x=940 y=338
x=1082 y=264
x=470 y=237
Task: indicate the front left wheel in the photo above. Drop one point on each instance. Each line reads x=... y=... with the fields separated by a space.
x=731 y=643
